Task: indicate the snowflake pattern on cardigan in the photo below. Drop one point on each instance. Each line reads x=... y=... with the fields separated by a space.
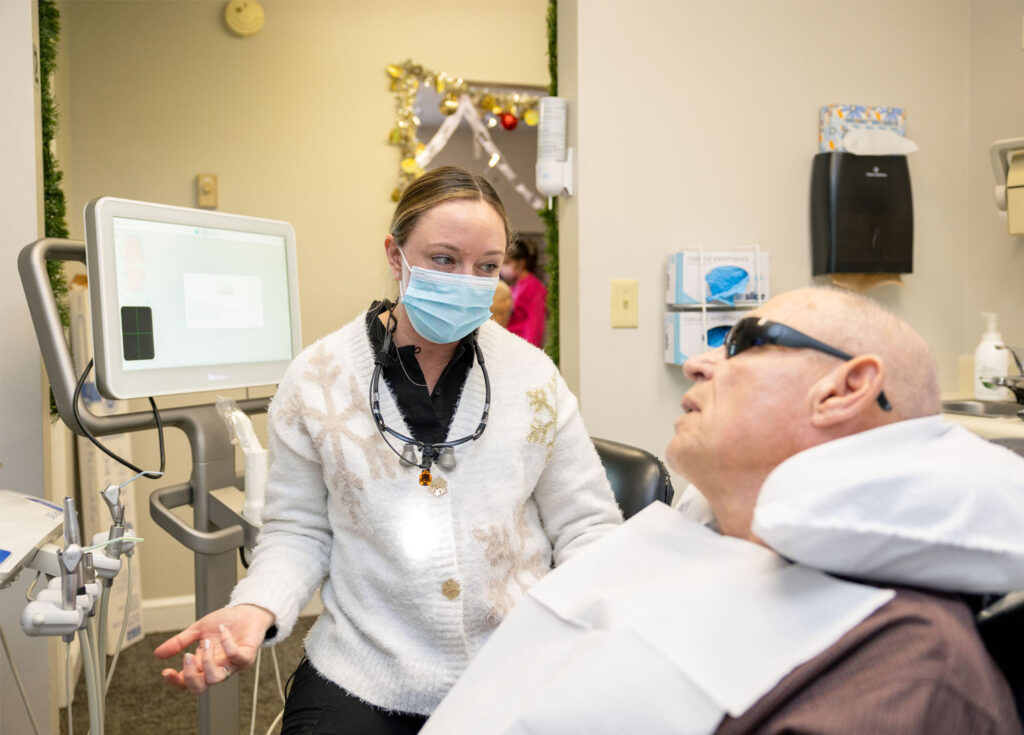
x=545 y=416
x=334 y=430
x=505 y=549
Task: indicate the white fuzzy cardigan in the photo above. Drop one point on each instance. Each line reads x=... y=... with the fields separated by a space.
x=414 y=578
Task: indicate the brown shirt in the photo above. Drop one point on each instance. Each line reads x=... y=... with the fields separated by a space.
x=914 y=667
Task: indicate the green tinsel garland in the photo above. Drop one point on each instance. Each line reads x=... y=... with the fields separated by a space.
x=54 y=206
x=550 y=214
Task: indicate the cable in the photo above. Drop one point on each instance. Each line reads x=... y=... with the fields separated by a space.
x=101 y=653
x=28 y=592
x=276 y=722
x=67 y=684
x=124 y=627
x=89 y=666
x=94 y=547
x=17 y=678
x=151 y=474
x=277 y=672
x=255 y=686
x=96 y=698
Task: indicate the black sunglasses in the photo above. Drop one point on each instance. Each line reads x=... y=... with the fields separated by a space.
x=754 y=332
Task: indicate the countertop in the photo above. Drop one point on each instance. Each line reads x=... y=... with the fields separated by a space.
x=989 y=427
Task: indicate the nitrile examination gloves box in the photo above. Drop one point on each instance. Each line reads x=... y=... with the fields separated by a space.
x=730 y=277
x=688 y=334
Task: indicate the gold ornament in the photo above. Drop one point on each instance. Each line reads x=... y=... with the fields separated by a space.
x=449 y=105
x=531 y=117
x=488 y=101
x=396 y=136
x=394 y=71
x=395 y=195
x=420 y=147
x=409 y=165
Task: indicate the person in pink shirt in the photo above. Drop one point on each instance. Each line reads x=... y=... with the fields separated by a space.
x=529 y=295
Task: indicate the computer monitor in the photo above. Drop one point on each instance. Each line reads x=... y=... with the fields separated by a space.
x=187 y=300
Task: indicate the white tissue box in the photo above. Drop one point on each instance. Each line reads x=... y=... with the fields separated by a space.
x=835 y=121
x=686 y=333
x=685 y=286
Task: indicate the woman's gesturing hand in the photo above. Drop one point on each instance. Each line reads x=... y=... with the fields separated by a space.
x=228 y=640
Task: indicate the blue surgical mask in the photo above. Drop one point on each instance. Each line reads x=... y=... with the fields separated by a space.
x=445 y=307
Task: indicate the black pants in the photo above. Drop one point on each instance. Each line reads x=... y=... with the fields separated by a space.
x=316 y=706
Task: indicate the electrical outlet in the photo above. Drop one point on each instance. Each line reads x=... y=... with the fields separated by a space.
x=625 y=310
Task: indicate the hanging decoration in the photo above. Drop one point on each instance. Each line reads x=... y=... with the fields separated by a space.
x=482 y=103
x=466 y=110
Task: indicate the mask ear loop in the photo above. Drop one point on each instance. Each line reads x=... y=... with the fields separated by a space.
x=429 y=453
x=401 y=281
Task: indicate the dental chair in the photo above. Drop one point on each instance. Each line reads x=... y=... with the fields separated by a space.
x=1001 y=623
x=637 y=477
x=1001 y=626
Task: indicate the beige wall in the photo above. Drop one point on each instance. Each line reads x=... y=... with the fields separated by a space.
x=701 y=127
x=995 y=266
x=294 y=121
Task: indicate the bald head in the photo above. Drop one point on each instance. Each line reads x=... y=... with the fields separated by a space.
x=746 y=414
x=859 y=326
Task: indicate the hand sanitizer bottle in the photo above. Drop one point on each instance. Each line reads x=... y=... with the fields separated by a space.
x=990 y=361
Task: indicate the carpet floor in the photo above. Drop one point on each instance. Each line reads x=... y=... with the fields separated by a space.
x=139 y=703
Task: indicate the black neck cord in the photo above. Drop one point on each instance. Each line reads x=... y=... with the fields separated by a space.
x=150 y=474
x=429 y=453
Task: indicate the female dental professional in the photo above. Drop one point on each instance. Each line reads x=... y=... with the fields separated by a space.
x=427 y=467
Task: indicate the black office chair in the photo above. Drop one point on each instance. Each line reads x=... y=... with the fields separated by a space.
x=637 y=477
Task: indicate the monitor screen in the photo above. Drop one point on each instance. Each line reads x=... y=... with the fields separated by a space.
x=188 y=300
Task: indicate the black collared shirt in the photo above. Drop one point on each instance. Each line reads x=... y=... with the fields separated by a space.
x=428 y=415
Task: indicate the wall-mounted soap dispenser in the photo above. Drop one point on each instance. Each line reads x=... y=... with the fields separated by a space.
x=862 y=216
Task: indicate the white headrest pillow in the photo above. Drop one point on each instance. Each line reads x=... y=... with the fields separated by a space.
x=920 y=503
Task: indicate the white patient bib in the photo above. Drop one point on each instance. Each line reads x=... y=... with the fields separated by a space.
x=662 y=627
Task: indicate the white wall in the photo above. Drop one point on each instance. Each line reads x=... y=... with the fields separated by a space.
x=701 y=128
x=21 y=393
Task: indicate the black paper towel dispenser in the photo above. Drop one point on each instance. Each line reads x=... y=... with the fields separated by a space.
x=862 y=217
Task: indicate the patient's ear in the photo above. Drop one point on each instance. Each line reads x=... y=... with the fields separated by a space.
x=847 y=391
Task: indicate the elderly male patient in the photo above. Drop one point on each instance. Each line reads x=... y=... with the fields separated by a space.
x=814 y=437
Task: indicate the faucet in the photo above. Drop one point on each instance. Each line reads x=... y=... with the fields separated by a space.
x=1014 y=382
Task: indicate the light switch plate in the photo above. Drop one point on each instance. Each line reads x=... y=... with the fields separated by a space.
x=625 y=309
x=206 y=191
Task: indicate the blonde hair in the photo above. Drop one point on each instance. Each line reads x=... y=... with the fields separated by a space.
x=436 y=187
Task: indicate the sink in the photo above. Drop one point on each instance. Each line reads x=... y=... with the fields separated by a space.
x=982 y=408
